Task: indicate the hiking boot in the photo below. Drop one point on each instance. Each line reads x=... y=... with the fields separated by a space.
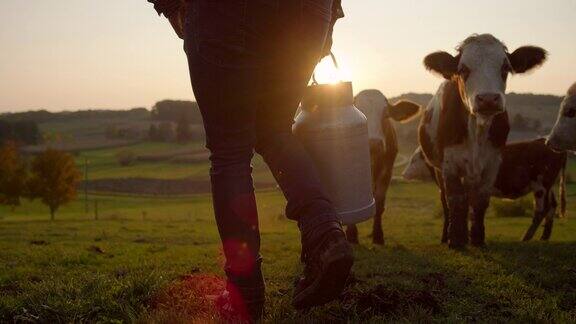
x=328 y=260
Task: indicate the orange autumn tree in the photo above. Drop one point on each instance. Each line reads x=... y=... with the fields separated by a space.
x=54 y=179
x=12 y=175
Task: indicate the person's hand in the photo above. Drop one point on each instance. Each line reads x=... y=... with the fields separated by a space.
x=177 y=21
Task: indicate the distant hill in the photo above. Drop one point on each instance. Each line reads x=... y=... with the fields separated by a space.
x=420 y=98
x=44 y=116
x=531 y=115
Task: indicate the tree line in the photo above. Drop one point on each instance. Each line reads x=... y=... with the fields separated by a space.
x=25 y=132
x=44 y=116
x=51 y=177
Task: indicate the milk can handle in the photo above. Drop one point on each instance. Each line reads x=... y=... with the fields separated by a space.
x=314 y=82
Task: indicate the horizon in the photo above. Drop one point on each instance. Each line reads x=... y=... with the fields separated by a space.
x=107 y=62
x=72 y=110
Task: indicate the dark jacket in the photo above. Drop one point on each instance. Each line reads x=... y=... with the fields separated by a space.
x=168 y=7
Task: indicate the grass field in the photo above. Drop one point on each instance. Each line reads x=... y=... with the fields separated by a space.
x=103 y=163
x=153 y=260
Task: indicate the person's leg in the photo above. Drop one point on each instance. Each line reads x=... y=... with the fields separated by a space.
x=225 y=84
x=297 y=42
x=230 y=46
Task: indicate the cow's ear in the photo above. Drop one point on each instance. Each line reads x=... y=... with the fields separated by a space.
x=527 y=58
x=442 y=63
x=403 y=111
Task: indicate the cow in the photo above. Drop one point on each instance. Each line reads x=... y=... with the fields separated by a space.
x=527 y=167
x=383 y=149
x=466 y=125
x=418 y=169
x=563 y=135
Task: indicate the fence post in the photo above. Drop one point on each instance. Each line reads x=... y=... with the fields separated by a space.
x=86 y=208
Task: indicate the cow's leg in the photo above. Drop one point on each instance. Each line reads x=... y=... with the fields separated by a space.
x=457 y=200
x=446 y=215
x=539 y=213
x=352 y=234
x=377 y=233
x=382 y=175
x=550 y=214
x=477 y=233
x=445 y=210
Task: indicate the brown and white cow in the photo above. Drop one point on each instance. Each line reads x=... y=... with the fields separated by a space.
x=383 y=149
x=527 y=167
x=466 y=125
x=563 y=136
x=418 y=169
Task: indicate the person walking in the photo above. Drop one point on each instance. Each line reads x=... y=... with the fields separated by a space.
x=250 y=62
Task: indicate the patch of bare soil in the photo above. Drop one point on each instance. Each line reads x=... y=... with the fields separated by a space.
x=157 y=187
x=383 y=300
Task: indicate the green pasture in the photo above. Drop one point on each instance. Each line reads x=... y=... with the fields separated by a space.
x=153 y=260
x=103 y=163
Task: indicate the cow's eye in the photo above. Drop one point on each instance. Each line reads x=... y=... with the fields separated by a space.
x=464 y=72
x=570 y=113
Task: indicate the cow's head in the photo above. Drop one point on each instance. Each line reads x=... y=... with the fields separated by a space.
x=417 y=169
x=563 y=136
x=373 y=102
x=481 y=70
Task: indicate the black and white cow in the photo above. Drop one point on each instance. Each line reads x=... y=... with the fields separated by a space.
x=466 y=126
x=527 y=167
x=383 y=149
x=563 y=136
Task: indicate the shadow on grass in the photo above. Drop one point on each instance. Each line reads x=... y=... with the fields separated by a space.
x=509 y=281
x=548 y=266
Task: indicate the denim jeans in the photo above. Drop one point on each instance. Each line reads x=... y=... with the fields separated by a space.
x=250 y=61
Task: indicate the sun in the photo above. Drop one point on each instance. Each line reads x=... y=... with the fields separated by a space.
x=327 y=73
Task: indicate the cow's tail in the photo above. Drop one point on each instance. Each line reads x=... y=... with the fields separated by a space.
x=563 y=189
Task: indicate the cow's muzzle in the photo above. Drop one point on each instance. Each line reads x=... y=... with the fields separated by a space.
x=489 y=104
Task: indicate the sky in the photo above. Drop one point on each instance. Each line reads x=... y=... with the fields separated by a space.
x=116 y=54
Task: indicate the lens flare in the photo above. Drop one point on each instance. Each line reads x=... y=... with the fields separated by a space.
x=327 y=73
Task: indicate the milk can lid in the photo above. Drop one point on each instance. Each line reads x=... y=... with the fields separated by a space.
x=328 y=95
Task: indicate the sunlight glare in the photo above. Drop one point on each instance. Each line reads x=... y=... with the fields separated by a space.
x=327 y=73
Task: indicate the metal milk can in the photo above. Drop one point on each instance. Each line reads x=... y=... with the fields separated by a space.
x=335 y=134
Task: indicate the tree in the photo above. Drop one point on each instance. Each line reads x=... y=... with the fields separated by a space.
x=12 y=175
x=153 y=133
x=54 y=179
x=183 y=132
x=172 y=110
x=26 y=132
x=166 y=132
